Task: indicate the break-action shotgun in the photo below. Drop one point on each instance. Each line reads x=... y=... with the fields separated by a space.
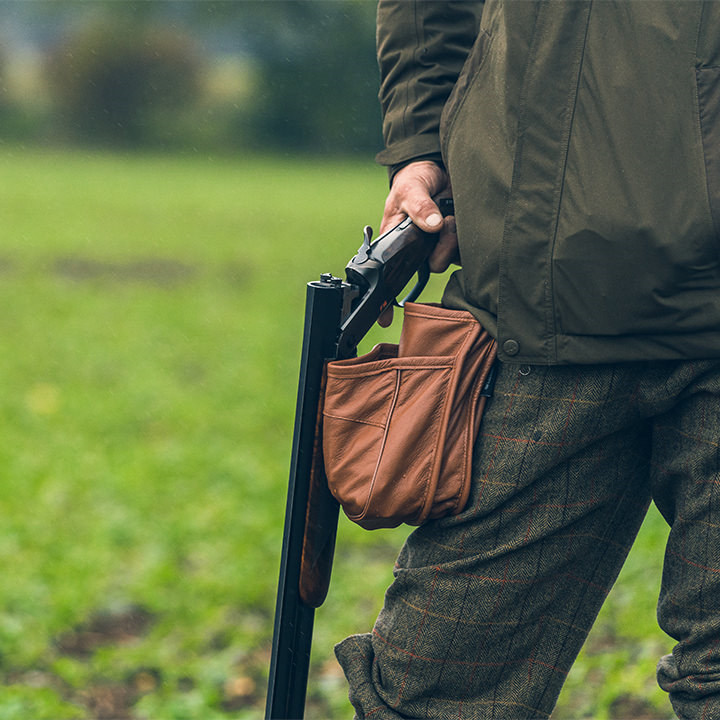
x=338 y=314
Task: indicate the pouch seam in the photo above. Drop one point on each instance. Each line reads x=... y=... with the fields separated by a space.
x=355 y=420
x=382 y=447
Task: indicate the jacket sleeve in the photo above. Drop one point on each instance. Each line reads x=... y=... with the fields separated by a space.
x=421 y=46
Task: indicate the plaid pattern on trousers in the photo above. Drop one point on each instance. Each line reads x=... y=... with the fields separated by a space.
x=489 y=608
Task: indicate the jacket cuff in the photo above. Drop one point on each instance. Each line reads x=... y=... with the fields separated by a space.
x=410 y=149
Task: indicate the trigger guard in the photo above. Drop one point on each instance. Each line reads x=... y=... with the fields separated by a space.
x=423 y=275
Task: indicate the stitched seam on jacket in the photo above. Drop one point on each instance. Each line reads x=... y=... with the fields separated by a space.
x=483 y=47
x=551 y=317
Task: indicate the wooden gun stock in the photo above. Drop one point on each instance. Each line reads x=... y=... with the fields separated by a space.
x=320 y=526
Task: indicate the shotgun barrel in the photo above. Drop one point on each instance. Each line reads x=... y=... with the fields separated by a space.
x=338 y=314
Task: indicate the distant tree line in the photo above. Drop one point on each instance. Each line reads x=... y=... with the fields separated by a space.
x=149 y=74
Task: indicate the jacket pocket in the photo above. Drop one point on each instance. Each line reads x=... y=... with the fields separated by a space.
x=708 y=85
x=474 y=62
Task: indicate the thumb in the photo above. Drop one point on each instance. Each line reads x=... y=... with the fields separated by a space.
x=434 y=221
x=428 y=217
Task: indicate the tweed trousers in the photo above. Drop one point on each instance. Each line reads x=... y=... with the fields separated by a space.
x=489 y=608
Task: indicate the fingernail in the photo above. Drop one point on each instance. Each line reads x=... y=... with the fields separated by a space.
x=433 y=219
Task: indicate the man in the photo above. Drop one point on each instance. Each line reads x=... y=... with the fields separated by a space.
x=581 y=140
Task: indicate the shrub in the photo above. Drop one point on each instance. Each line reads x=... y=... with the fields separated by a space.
x=118 y=82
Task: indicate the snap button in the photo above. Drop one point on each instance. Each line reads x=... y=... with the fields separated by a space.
x=511 y=347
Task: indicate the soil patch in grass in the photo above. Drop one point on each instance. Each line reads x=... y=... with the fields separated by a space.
x=150 y=271
x=104 y=628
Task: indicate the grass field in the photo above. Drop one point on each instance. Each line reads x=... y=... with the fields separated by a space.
x=151 y=332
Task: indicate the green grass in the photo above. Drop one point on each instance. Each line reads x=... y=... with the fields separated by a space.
x=150 y=335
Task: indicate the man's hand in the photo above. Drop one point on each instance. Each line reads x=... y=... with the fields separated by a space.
x=412 y=195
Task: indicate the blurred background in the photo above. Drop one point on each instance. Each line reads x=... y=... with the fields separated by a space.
x=172 y=174
x=200 y=76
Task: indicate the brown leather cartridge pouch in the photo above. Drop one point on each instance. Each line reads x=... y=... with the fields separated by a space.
x=400 y=422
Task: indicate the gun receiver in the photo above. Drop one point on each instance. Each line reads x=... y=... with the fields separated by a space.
x=338 y=314
x=380 y=270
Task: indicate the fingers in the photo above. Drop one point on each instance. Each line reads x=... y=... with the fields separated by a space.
x=411 y=195
x=385 y=320
x=446 y=251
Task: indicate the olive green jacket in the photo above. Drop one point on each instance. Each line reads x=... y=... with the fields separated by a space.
x=582 y=140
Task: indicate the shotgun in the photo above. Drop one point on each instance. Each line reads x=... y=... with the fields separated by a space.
x=338 y=314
